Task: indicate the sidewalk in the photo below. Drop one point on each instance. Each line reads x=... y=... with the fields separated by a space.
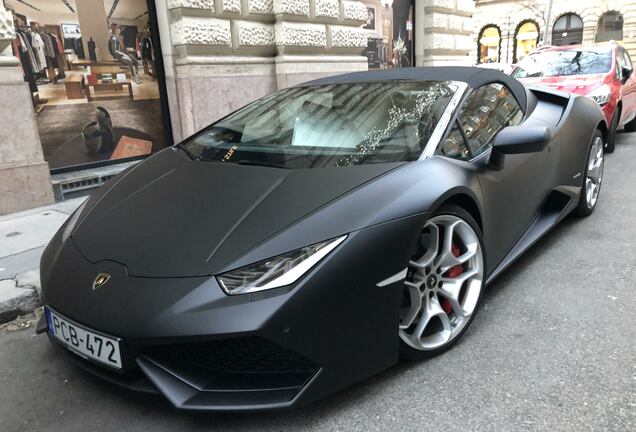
x=23 y=237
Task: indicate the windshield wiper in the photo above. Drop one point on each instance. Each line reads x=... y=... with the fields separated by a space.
x=261 y=163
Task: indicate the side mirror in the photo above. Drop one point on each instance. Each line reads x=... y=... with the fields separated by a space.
x=626 y=72
x=522 y=139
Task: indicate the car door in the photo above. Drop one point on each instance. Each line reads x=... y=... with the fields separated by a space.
x=514 y=186
x=629 y=88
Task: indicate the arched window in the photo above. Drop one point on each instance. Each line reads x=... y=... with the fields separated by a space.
x=610 y=27
x=526 y=39
x=567 y=30
x=489 y=44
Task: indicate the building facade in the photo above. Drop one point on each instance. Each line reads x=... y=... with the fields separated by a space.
x=505 y=31
x=215 y=56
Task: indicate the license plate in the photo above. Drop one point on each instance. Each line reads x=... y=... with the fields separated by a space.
x=82 y=341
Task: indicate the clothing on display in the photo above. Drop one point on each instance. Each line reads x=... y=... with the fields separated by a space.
x=24 y=51
x=92 y=55
x=38 y=46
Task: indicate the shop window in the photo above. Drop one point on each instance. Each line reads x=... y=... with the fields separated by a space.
x=610 y=27
x=526 y=39
x=567 y=30
x=489 y=45
x=390 y=35
x=96 y=89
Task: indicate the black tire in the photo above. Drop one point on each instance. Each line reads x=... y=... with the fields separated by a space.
x=583 y=209
x=611 y=135
x=409 y=353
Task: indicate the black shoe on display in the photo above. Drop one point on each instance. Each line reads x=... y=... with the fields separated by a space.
x=92 y=137
x=105 y=128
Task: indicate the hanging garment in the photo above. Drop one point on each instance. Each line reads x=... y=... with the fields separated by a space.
x=48 y=45
x=91 y=50
x=38 y=46
x=27 y=48
x=79 y=48
x=58 y=42
x=22 y=52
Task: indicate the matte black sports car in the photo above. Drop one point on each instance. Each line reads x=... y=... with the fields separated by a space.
x=315 y=236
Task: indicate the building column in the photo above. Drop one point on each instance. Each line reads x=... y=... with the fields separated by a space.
x=443 y=34
x=93 y=23
x=24 y=175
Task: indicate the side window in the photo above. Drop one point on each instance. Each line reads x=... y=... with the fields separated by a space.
x=620 y=63
x=485 y=112
x=628 y=59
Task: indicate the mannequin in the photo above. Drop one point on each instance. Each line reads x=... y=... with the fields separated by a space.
x=148 y=54
x=38 y=45
x=118 y=51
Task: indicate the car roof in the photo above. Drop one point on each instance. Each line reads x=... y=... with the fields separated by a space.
x=475 y=77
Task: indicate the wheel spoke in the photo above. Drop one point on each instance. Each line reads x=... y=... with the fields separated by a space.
x=594 y=170
x=431 y=249
x=451 y=289
x=446 y=259
x=431 y=309
x=415 y=296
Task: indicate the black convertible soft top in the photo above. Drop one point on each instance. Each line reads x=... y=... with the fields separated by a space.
x=473 y=76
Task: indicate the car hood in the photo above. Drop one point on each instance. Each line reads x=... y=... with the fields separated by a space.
x=577 y=84
x=170 y=216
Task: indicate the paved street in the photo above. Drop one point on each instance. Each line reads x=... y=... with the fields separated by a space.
x=553 y=348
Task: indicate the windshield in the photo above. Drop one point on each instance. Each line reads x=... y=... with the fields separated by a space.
x=328 y=125
x=560 y=63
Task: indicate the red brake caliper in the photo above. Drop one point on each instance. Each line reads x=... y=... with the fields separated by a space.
x=452 y=272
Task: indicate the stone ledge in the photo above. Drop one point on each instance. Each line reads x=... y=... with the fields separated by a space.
x=448 y=31
x=443 y=10
x=15 y=300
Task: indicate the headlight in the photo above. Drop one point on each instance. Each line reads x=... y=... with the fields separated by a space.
x=278 y=271
x=600 y=95
x=70 y=226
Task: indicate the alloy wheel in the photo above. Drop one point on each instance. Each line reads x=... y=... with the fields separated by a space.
x=443 y=284
x=594 y=174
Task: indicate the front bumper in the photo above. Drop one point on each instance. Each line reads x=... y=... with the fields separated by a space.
x=203 y=350
x=204 y=376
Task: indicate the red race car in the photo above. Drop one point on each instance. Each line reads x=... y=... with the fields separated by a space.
x=601 y=72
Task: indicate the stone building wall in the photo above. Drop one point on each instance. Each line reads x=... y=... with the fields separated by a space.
x=226 y=53
x=507 y=15
x=444 y=30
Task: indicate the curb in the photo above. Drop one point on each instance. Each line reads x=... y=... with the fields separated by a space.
x=19 y=296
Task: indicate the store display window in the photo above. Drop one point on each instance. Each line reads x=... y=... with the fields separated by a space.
x=93 y=68
x=489 y=44
x=390 y=33
x=526 y=39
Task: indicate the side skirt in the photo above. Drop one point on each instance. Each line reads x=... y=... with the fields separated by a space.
x=561 y=201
